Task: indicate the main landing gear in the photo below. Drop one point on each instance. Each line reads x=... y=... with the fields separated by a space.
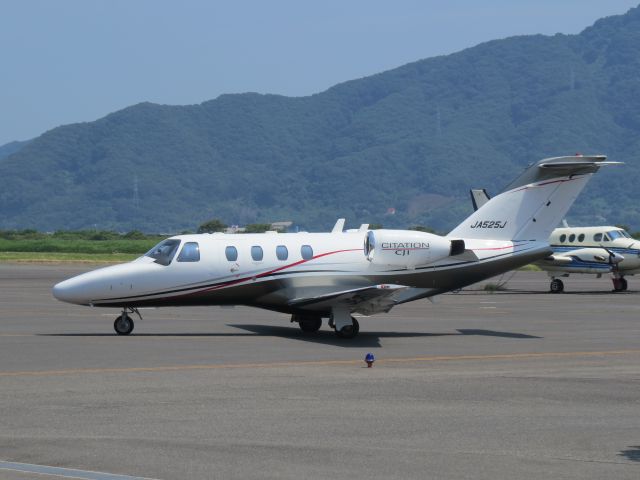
x=619 y=284
x=307 y=323
x=340 y=320
x=343 y=323
x=556 y=286
x=123 y=324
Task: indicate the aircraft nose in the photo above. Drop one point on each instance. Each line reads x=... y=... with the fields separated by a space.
x=68 y=291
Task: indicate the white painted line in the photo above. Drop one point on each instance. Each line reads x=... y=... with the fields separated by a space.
x=65 y=472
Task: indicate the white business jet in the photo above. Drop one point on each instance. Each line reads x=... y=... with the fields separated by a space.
x=335 y=275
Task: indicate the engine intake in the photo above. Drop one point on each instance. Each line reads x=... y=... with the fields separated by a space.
x=408 y=248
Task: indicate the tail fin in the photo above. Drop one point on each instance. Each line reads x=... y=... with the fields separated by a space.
x=534 y=203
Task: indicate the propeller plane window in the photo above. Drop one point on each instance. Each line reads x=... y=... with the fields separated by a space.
x=190 y=252
x=581 y=237
x=563 y=237
x=597 y=237
x=613 y=234
x=572 y=237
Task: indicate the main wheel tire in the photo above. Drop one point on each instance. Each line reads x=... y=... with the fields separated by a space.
x=349 y=331
x=556 y=286
x=623 y=284
x=123 y=324
x=619 y=284
x=310 y=324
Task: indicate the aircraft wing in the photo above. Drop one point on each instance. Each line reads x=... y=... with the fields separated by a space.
x=582 y=260
x=365 y=300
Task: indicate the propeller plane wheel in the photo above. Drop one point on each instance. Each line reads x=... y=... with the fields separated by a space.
x=620 y=284
x=349 y=331
x=310 y=324
x=123 y=324
x=556 y=286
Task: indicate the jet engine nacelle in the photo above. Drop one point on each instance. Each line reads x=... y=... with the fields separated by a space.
x=408 y=248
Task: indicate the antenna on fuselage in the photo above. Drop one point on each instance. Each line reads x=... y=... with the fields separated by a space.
x=339 y=226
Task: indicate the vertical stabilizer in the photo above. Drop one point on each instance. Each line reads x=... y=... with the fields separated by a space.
x=534 y=203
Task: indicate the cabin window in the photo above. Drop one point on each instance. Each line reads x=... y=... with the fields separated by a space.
x=597 y=237
x=307 y=252
x=563 y=237
x=281 y=252
x=581 y=237
x=164 y=252
x=190 y=252
x=256 y=253
x=572 y=237
x=231 y=253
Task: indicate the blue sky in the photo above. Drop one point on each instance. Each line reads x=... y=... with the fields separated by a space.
x=69 y=61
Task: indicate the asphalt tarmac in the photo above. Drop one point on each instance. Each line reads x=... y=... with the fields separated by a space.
x=513 y=384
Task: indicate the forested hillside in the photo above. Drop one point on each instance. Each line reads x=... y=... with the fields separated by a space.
x=413 y=139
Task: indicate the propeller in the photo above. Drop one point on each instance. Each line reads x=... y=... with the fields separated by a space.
x=614 y=258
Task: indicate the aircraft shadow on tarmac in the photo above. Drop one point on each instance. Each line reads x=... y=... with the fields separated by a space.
x=555 y=295
x=632 y=453
x=364 y=339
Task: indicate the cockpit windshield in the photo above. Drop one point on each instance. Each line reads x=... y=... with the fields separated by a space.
x=613 y=234
x=164 y=252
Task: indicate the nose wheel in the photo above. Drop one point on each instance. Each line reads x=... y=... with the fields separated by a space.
x=123 y=324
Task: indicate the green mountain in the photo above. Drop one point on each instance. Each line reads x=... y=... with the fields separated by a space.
x=413 y=139
x=10 y=148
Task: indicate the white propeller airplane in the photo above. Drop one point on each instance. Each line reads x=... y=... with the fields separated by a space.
x=585 y=250
x=335 y=275
x=594 y=250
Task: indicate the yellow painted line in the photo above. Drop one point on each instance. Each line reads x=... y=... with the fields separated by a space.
x=223 y=366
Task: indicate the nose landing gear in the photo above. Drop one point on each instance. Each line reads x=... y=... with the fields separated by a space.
x=123 y=324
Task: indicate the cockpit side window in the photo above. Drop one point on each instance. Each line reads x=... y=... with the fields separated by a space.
x=164 y=252
x=597 y=237
x=625 y=233
x=605 y=238
x=190 y=252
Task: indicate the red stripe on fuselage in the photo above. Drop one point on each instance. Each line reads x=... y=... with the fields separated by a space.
x=266 y=274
